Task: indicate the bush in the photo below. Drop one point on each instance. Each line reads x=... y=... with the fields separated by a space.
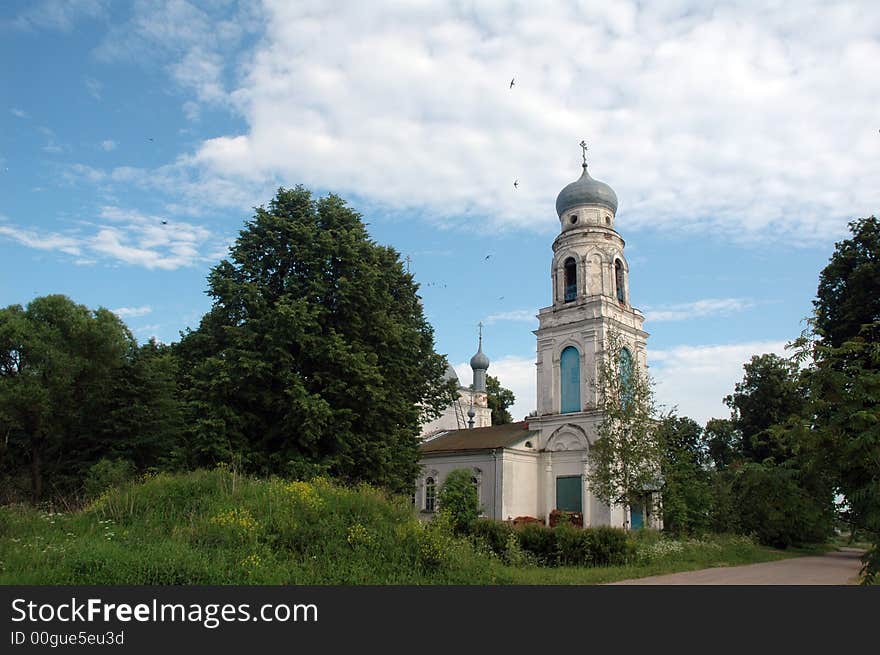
x=494 y=534
x=458 y=499
x=107 y=473
x=573 y=546
x=540 y=542
x=608 y=546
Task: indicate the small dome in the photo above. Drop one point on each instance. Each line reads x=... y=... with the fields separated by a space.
x=480 y=362
x=586 y=191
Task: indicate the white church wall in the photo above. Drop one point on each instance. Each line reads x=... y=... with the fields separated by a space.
x=483 y=466
x=520 y=496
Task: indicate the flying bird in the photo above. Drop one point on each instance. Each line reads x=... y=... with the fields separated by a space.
x=150 y=139
x=512 y=82
x=516 y=184
x=164 y=222
x=487 y=257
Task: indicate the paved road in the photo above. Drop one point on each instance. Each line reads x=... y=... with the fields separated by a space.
x=837 y=568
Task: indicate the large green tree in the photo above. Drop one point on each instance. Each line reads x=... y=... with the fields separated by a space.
x=315 y=354
x=843 y=381
x=768 y=395
x=58 y=364
x=848 y=296
x=499 y=400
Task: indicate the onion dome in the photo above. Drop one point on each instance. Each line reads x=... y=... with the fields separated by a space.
x=586 y=191
x=479 y=362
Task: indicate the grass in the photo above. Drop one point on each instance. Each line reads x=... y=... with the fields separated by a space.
x=215 y=527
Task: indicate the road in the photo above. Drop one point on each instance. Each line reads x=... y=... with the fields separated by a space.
x=837 y=568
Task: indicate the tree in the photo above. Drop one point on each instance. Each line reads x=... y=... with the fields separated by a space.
x=843 y=381
x=687 y=496
x=459 y=500
x=625 y=460
x=723 y=442
x=315 y=355
x=57 y=366
x=848 y=296
x=768 y=395
x=499 y=400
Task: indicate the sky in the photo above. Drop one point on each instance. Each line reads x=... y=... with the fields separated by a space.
x=740 y=137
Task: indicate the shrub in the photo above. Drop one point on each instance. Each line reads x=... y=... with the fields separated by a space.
x=458 y=499
x=107 y=473
x=608 y=546
x=539 y=541
x=573 y=545
x=495 y=534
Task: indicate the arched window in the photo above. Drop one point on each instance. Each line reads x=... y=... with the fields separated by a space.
x=570 y=379
x=618 y=280
x=570 y=267
x=625 y=368
x=430 y=494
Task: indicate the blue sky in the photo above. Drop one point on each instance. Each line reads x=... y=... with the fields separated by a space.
x=739 y=139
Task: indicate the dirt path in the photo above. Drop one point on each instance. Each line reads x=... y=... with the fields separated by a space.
x=837 y=568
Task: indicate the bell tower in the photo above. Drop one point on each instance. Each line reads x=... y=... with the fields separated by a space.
x=590 y=282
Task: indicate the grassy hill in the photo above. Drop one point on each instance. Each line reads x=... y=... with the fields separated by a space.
x=216 y=527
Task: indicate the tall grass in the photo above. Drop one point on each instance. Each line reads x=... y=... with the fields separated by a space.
x=217 y=527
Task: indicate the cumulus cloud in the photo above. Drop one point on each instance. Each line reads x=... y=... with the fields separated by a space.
x=741 y=121
x=697 y=309
x=132 y=312
x=129 y=237
x=696 y=378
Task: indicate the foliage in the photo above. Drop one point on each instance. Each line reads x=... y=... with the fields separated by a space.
x=493 y=534
x=315 y=352
x=774 y=505
x=499 y=399
x=723 y=442
x=107 y=473
x=459 y=500
x=686 y=491
x=566 y=545
x=768 y=395
x=625 y=460
x=848 y=296
x=59 y=362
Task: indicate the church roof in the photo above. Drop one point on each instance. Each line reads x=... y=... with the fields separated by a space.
x=496 y=436
x=586 y=191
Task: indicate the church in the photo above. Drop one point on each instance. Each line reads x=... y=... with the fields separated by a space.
x=531 y=468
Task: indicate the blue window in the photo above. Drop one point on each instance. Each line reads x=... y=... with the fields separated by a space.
x=570 y=279
x=625 y=367
x=570 y=378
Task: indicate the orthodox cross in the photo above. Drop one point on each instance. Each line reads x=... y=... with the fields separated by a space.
x=583 y=145
x=480 y=325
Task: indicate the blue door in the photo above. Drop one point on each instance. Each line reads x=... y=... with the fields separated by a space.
x=637 y=516
x=570 y=379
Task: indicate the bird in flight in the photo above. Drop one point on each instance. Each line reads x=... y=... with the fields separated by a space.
x=512 y=82
x=150 y=139
x=516 y=184
x=164 y=222
x=487 y=256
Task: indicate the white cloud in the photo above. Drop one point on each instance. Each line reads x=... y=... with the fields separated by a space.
x=528 y=315
x=514 y=373
x=18 y=113
x=56 y=15
x=108 y=145
x=697 y=309
x=42 y=241
x=742 y=122
x=696 y=378
x=132 y=312
x=94 y=87
x=128 y=237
